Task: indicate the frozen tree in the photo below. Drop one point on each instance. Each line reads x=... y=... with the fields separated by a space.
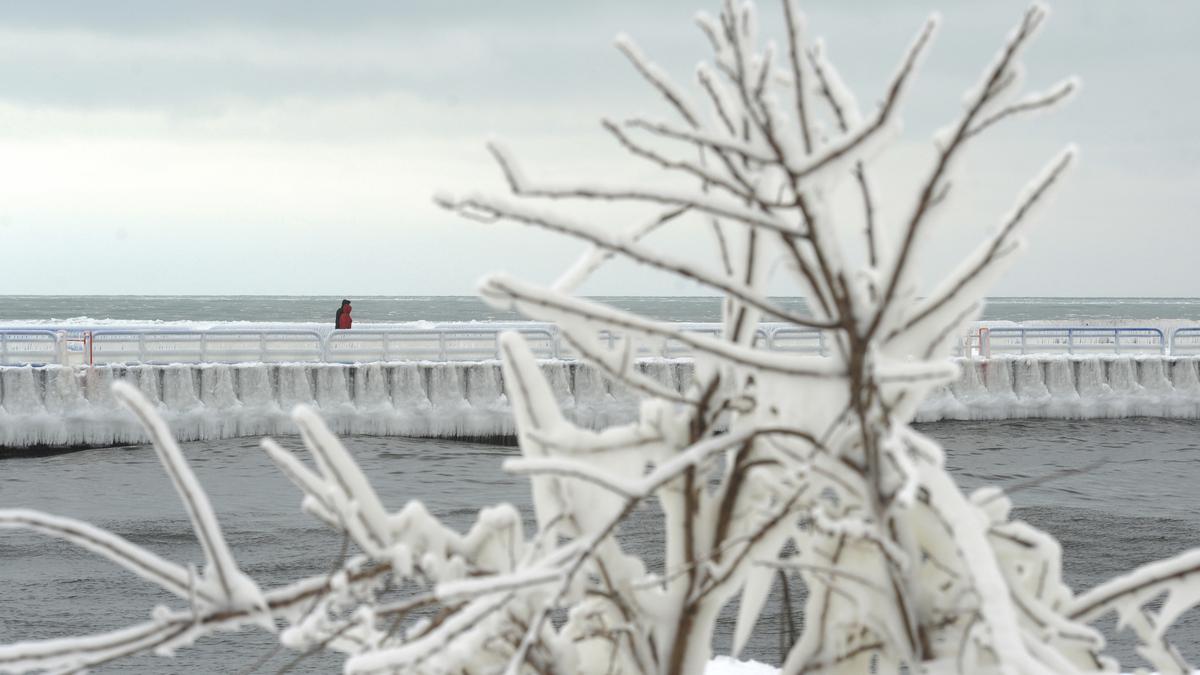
x=768 y=462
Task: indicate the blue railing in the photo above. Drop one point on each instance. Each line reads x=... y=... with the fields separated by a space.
x=1185 y=341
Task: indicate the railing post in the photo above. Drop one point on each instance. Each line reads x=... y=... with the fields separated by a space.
x=442 y=345
x=1070 y=341
x=1117 y=339
x=60 y=346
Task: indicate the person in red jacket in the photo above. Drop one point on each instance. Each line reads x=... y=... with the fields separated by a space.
x=342 y=319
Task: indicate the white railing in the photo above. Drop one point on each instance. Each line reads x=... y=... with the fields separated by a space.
x=674 y=347
x=21 y=346
x=992 y=340
x=791 y=339
x=209 y=346
x=436 y=344
x=475 y=342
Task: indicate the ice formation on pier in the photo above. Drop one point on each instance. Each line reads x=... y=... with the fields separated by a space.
x=56 y=406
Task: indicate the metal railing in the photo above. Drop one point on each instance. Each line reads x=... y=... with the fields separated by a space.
x=674 y=348
x=22 y=346
x=1185 y=341
x=221 y=345
x=991 y=340
x=791 y=339
x=448 y=344
x=474 y=342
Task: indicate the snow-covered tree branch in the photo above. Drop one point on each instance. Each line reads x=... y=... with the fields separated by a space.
x=768 y=463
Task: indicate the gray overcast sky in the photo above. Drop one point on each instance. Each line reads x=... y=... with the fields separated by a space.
x=293 y=147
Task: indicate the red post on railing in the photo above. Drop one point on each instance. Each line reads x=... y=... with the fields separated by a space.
x=985 y=350
x=985 y=342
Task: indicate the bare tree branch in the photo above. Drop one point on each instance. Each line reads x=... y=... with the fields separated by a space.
x=993 y=250
x=1058 y=93
x=994 y=82
x=522 y=214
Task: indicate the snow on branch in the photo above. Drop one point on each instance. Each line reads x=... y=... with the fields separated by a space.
x=166 y=574
x=522 y=186
x=997 y=80
x=1040 y=101
x=500 y=208
x=222 y=577
x=656 y=77
x=882 y=117
x=949 y=296
x=732 y=145
x=795 y=32
x=533 y=301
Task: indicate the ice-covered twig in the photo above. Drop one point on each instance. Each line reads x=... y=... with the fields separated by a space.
x=522 y=186
x=845 y=111
x=895 y=91
x=235 y=588
x=595 y=256
x=664 y=473
x=77 y=654
x=993 y=83
x=742 y=150
x=733 y=185
x=167 y=628
x=314 y=488
x=539 y=302
x=348 y=489
x=976 y=265
x=724 y=108
x=132 y=557
x=555 y=223
x=1039 y=101
x=656 y=77
x=795 y=31
x=619 y=365
x=1175 y=578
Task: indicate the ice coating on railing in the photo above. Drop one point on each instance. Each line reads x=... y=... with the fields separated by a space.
x=59 y=406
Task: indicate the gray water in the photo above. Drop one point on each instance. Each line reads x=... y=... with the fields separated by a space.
x=1140 y=504
x=384 y=309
